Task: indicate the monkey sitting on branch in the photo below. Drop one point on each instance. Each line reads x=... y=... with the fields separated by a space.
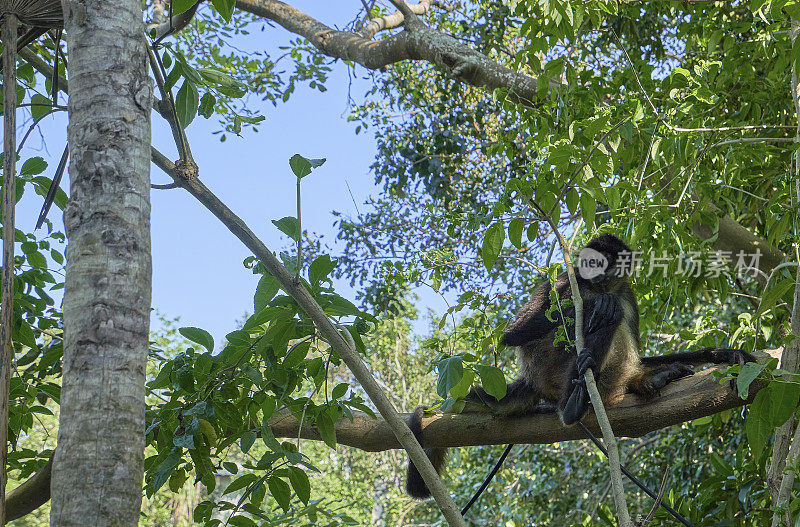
x=551 y=372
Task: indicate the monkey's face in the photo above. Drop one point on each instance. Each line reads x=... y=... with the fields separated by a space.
x=616 y=255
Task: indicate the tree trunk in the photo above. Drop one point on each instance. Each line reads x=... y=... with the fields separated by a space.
x=99 y=463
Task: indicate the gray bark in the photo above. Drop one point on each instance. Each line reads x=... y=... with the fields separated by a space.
x=99 y=463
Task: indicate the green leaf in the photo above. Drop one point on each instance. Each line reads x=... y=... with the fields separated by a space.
x=451 y=370
x=773 y=294
x=320 y=268
x=757 y=428
x=186 y=103
x=301 y=166
x=181 y=6
x=515 y=232
x=572 y=200
x=33 y=167
x=339 y=390
x=460 y=390
x=533 y=231
x=492 y=380
x=747 y=375
x=326 y=429
x=219 y=78
x=40 y=105
x=184 y=441
x=240 y=521
x=248 y=438
x=588 y=208
x=266 y=290
x=198 y=335
x=294 y=357
x=771 y=408
x=289 y=226
x=268 y=437
x=492 y=244
x=280 y=491
x=207 y=104
x=783 y=400
x=225 y=8
x=240 y=483
x=300 y=483
x=165 y=468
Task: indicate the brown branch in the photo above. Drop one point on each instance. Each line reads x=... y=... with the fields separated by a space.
x=684 y=400
x=31 y=494
x=734 y=237
x=424 y=43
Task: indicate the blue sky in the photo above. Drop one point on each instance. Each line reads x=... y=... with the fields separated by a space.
x=197 y=264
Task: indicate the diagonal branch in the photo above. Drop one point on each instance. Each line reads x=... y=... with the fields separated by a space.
x=191 y=183
x=424 y=43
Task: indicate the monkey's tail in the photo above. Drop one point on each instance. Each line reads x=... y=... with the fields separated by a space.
x=415 y=486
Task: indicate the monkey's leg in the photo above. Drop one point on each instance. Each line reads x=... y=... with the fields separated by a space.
x=521 y=399
x=649 y=383
x=701 y=356
x=603 y=316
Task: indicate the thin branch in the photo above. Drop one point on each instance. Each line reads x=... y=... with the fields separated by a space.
x=411 y=20
x=732 y=128
x=609 y=439
x=755 y=140
x=9 y=36
x=396 y=19
x=783 y=511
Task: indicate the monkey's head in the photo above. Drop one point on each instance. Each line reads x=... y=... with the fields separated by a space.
x=611 y=267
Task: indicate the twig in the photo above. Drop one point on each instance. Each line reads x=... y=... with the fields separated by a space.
x=755 y=140
x=661 y=490
x=623 y=517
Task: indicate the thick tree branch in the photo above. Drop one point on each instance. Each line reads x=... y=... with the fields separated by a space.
x=423 y=43
x=684 y=400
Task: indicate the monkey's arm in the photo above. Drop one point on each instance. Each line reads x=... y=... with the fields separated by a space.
x=602 y=317
x=531 y=323
x=521 y=399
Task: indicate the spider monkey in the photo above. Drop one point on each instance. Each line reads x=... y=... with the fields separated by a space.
x=551 y=375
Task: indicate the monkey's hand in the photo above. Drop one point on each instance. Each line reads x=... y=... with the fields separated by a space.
x=585 y=361
x=606 y=311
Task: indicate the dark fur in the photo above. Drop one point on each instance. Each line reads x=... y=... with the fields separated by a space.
x=550 y=374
